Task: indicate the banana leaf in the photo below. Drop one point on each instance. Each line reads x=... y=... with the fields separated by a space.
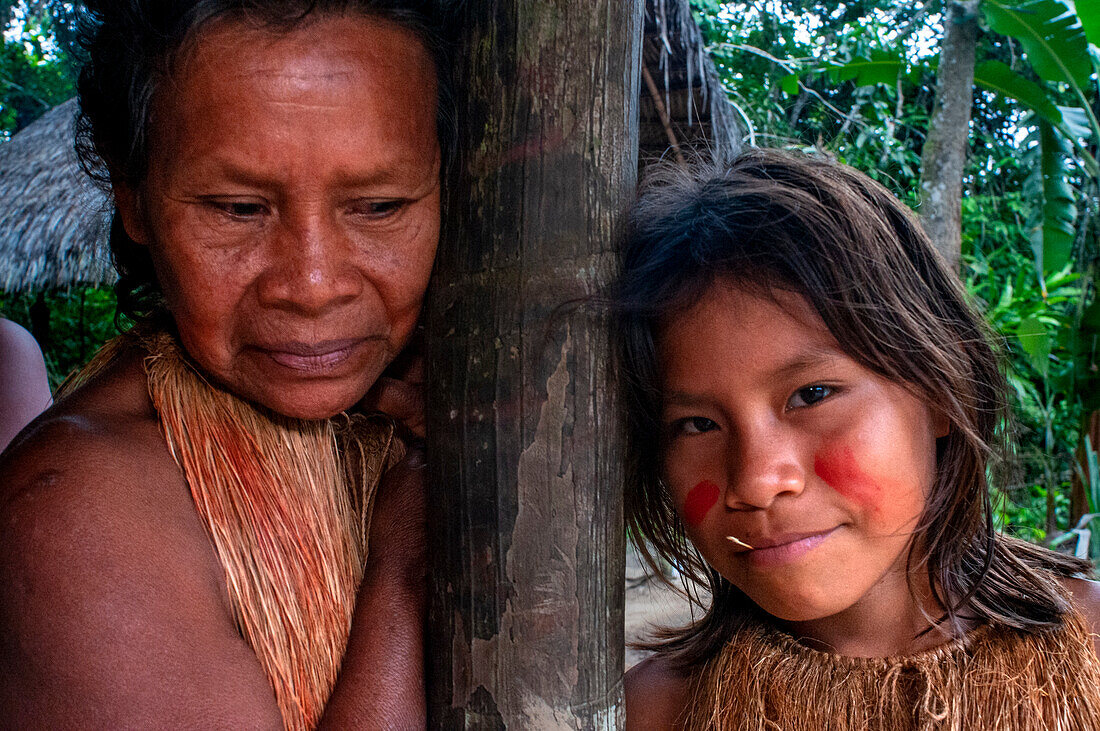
x=1053 y=228
x=1053 y=39
x=1088 y=12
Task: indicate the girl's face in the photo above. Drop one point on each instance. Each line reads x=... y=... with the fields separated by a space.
x=775 y=436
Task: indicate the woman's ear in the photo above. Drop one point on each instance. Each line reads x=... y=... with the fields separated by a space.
x=132 y=213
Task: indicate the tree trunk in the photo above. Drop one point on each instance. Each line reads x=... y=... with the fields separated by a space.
x=944 y=155
x=527 y=545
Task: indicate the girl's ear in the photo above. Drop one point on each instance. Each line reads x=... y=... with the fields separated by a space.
x=130 y=210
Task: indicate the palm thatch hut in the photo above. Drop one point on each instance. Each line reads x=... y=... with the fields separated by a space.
x=683 y=107
x=53 y=220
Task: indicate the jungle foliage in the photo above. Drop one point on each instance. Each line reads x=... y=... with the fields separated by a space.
x=37 y=63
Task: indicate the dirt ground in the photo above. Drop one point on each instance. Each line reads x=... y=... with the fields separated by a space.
x=649 y=603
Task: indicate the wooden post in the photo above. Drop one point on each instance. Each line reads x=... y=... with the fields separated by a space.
x=526 y=620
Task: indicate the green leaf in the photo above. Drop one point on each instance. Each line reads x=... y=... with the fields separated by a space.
x=1035 y=340
x=1089 y=473
x=1006 y=297
x=996 y=76
x=881 y=68
x=1051 y=34
x=1064 y=278
x=1052 y=230
x=1075 y=122
x=1088 y=12
x=789 y=84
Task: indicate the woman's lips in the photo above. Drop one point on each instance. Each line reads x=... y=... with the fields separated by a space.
x=784 y=549
x=312 y=358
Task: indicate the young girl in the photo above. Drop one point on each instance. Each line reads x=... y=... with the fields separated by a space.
x=813 y=410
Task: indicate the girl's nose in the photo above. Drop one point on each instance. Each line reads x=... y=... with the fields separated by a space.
x=309 y=268
x=764 y=465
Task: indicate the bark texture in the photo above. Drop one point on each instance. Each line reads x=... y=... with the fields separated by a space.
x=526 y=623
x=944 y=155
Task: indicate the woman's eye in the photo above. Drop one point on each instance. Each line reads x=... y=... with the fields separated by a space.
x=809 y=396
x=378 y=209
x=241 y=210
x=694 y=425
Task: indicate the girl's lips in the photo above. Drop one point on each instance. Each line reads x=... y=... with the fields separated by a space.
x=785 y=550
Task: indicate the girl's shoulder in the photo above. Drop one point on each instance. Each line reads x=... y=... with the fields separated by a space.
x=1086 y=597
x=657 y=693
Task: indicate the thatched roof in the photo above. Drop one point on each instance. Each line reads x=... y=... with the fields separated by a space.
x=683 y=105
x=53 y=220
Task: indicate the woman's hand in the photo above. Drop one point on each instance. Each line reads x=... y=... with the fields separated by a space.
x=399 y=392
x=398 y=527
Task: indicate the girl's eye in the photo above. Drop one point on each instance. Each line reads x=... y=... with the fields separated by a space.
x=693 y=425
x=808 y=396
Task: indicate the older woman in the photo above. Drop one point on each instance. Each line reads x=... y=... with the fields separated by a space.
x=184 y=534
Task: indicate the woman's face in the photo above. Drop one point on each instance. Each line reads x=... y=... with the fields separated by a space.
x=291 y=206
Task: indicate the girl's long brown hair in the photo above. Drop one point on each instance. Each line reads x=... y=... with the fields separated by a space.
x=771 y=220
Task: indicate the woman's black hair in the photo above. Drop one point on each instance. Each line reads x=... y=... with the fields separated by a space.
x=130 y=49
x=774 y=221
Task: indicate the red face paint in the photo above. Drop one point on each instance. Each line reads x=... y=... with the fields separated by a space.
x=700 y=500
x=840 y=471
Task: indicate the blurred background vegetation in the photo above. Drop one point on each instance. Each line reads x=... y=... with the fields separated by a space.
x=856 y=80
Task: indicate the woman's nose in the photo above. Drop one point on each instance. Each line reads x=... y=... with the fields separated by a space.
x=764 y=464
x=309 y=268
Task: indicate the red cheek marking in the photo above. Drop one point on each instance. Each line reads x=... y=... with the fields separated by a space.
x=840 y=471
x=700 y=500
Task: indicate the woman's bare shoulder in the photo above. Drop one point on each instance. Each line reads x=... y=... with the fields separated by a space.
x=112 y=593
x=90 y=476
x=98 y=434
x=89 y=489
x=657 y=693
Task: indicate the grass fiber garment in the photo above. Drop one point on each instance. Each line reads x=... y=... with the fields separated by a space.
x=991 y=678
x=286 y=503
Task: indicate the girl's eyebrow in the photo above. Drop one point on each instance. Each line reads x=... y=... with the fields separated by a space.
x=813 y=356
x=685 y=398
x=819 y=355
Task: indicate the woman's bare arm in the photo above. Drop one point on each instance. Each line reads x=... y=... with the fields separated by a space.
x=382 y=679
x=387 y=635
